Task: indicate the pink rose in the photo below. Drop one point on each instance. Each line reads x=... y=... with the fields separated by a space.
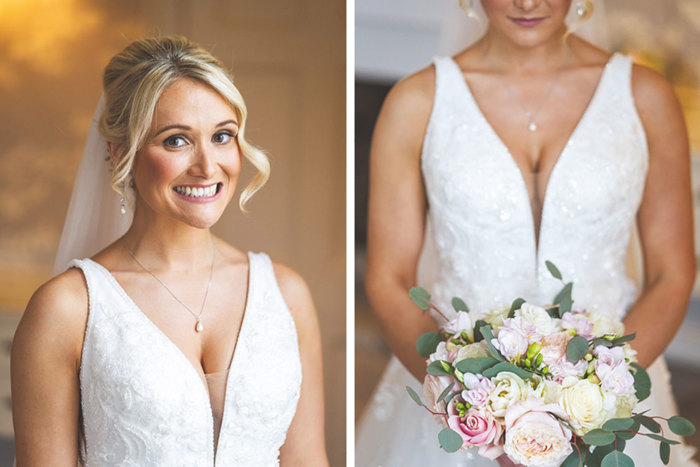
x=563 y=368
x=477 y=428
x=616 y=379
x=534 y=436
x=513 y=338
x=607 y=357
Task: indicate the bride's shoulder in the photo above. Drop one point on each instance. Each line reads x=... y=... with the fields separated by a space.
x=654 y=96
x=56 y=314
x=413 y=93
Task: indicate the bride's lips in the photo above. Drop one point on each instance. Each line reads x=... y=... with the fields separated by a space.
x=527 y=22
x=199 y=193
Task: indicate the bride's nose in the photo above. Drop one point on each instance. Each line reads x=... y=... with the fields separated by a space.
x=204 y=162
x=527 y=5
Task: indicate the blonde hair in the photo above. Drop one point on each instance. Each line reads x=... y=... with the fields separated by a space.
x=135 y=79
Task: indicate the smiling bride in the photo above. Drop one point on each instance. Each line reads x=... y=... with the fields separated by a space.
x=169 y=346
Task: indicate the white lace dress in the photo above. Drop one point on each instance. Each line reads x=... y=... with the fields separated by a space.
x=144 y=404
x=480 y=244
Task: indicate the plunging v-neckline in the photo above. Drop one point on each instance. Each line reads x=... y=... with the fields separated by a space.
x=181 y=355
x=536 y=236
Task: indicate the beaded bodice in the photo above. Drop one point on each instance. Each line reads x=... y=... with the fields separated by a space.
x=480 y=242
x=143 y=403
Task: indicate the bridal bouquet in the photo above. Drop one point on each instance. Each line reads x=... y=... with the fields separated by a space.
x=547 y=386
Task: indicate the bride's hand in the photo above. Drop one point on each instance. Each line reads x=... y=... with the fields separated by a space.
x=504 y=461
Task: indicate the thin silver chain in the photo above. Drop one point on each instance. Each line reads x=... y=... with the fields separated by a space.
x=197 y=317
x=532 y=124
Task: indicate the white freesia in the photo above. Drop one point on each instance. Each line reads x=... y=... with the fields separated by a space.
x=539 y=318
x=439 y=354
x=616 y=379
x=461 y=323
x=509 y=389
x=583 y=402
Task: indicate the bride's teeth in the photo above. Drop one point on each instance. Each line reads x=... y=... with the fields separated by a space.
x=188 y=191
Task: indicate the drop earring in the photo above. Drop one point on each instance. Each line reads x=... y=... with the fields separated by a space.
x=580 y=8
x=122 y=201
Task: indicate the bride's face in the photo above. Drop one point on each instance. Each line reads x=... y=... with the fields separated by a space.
x=527 y=23
x=188 y=167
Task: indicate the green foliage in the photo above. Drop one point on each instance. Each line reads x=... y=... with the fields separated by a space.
x=617 y=459
x=437 y=368
x=414 y=396
x=642 y=383
x=507 y=366
x=649 y=423
x=576 y=348
x=478 y=337
x=681 y=426
x=615 y=424
x=573 y=460
x=565 y=303
x=459 y=305
x=661 y=438
x=665 y=452
x=517 y=303
x=598 y=437
x=475 y=365
x=420 y=297
x=445 y=392
x=568 y=288
x=621 y=340
x=553 y=270
x=597 y=455
x=450 y=440
x=427 y=343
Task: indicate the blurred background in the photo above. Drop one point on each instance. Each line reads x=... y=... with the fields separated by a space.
x=393 y=42
x=288 y=60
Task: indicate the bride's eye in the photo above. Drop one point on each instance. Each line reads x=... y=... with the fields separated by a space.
x=223 y=137
x=175 y=141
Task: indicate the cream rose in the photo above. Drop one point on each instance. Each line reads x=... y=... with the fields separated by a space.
x=495 y=317
x=534 y=436
x=583 y=402
x=509 y=389
x=538 y=317
x=475 y=350
x=604 y=324
x=624 y=406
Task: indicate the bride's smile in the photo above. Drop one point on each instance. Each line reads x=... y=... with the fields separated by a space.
x=189 y=165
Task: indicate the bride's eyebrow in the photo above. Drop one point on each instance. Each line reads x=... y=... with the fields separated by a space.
x=187 y=128
x=226 y=122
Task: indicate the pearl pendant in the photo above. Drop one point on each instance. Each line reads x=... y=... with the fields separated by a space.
x=122 y=209
x=532 y=126
x=199 y=327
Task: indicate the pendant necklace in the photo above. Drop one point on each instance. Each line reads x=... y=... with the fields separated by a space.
x=198 y=327
x=530 y=114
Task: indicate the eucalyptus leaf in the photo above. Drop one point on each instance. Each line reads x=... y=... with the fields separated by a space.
x=475 y=365
x=596 y=457
x=615 y=424
x=485 y=331
x=451 y=396
x=427 y=343
x=620 y=444
x=576 y=348
x=665 y=452
x=445 y=393
x=649 y=423
x=553 y=270
x=515 y=306
x=436 y=368
x=630 y=433
x=681 y=426
x=574 y=460
x=598 y=437
x=617 y=459
x=507 y=366
x=450 y=440
x=565 y=303
x=459 y=305
x=642 y=383
x=420 y=297
x=414 y=396
x=661 y=438
x=622 y=339
x=568 y=288
x=601 y=341
x=478 y=337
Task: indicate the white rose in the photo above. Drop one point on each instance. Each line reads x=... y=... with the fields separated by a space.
x=583 y=402
x=509 y=389
x=604 y=324
x=496 y=316
x=538 y=317
x=475 y=350
x=550 y=391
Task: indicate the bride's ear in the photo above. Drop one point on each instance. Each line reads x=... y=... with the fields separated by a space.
x=114 y=150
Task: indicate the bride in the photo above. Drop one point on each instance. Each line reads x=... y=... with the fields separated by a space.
x=169 y=346
x=530 y=145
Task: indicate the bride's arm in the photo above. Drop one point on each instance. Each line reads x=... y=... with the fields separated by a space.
x=305 y=443
x=44 y=366
x=665 y=219
x=396 y=220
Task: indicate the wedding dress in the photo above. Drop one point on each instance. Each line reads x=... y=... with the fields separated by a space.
x=481 y=245
x=143 y=403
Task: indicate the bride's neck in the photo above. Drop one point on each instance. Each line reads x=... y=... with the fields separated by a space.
x=503 y=54
x=167 y=244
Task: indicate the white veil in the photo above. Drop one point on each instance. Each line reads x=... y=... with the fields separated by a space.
x=94 y=219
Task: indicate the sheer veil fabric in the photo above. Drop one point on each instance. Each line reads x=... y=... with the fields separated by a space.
x=94 y=219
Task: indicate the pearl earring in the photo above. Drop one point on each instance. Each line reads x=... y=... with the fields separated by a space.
x=580 y=8
x=122 y=201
